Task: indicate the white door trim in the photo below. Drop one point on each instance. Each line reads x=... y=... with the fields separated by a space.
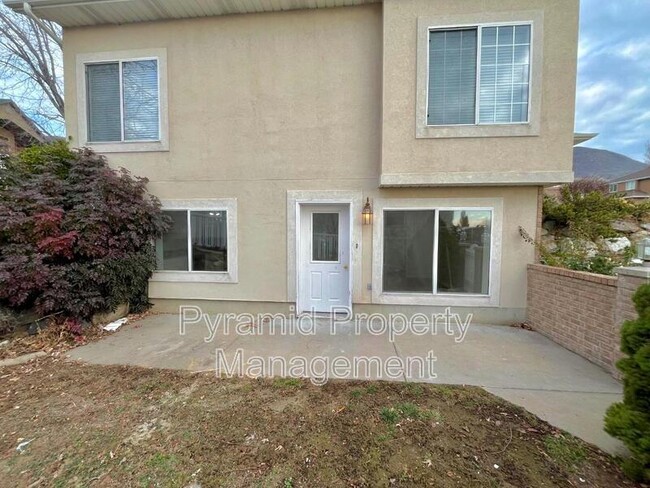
x=295 y=198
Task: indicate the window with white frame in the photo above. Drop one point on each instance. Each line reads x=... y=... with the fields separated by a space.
x=630 y=185
x=613 y=187
x=479 y=75
x=123 y=101
x=437 y=251
x=197 y=240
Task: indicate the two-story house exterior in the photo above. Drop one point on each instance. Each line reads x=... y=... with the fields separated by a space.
x=633 y=186
x=268 y=127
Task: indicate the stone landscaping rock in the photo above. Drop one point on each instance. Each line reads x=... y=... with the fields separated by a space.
x=645 y=226
x=549 y=225
x=567 y=244
x=35 y=327
x=549 y=243
x=640 y=235
x=625 y=226
x=617 y=244
x=104 y=318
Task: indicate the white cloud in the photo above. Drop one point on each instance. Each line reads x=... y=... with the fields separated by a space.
x=596 y=92
x=635 y=49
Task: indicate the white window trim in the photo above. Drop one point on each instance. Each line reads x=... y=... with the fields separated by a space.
x=492 y=299
x=613 y=187
x=229 y=205
x=160 y=55
x=486 y=19
x=630 y=185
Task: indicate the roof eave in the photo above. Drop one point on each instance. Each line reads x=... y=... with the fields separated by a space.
x=78 y=13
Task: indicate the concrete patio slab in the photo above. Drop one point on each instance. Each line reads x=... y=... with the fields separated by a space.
x=521 y=366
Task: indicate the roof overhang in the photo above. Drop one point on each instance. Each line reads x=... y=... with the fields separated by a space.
x=13 y=119
x=580 y=137
x=75 y=13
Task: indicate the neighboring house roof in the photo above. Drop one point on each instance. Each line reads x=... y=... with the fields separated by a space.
x=71 y=13
x=600 y=163
x=20 y=125
x=643 y=174
x=634 y=194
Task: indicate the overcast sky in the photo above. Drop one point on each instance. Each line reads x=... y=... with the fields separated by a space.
x=614 y=74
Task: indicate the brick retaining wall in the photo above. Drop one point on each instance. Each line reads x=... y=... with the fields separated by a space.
x=575 y=309
x=583 y=311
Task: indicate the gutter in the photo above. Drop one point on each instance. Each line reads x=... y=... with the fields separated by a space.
x=27 y=9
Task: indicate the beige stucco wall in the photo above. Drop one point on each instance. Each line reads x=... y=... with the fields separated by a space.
x=258 y=96
x=261 y=104
x=550 y=151
x=263 y=225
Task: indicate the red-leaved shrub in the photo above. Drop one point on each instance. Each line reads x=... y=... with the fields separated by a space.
x=75 y=235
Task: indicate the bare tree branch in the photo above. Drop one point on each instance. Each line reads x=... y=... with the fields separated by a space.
x=31 y=67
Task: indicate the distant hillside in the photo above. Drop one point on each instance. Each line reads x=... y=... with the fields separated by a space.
x=599 y=163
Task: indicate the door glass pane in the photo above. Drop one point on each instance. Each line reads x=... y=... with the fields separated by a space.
x=408 y=250
x=325 y=237
x=171 y=249
x=209 y=240
x=464 y=251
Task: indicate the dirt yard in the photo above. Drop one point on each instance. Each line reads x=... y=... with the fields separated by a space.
x=82 y=425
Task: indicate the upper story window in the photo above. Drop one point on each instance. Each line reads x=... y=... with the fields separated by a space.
x=123 y=101
x=479 y=75
x=630 y=185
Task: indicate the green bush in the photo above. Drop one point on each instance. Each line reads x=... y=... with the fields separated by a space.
x=580 y=257
x=629 y=421
x=588 y=215
x=603 y=262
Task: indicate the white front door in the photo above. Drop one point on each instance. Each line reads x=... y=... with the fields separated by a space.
x=324 y=258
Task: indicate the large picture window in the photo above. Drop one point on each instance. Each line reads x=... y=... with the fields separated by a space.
x=196 y=241
x=479 y=75
x=437 y=251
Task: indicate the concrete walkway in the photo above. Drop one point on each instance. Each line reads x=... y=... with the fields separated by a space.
x=521 y=366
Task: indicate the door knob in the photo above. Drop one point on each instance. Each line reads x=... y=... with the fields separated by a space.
x=345 y=266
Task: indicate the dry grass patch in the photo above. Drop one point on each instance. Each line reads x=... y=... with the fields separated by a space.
x=125 y=426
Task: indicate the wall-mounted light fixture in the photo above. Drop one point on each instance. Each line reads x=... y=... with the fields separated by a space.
x=366 y=214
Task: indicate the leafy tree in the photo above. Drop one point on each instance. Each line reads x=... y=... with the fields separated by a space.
x=630 y=420
x=75 y=235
